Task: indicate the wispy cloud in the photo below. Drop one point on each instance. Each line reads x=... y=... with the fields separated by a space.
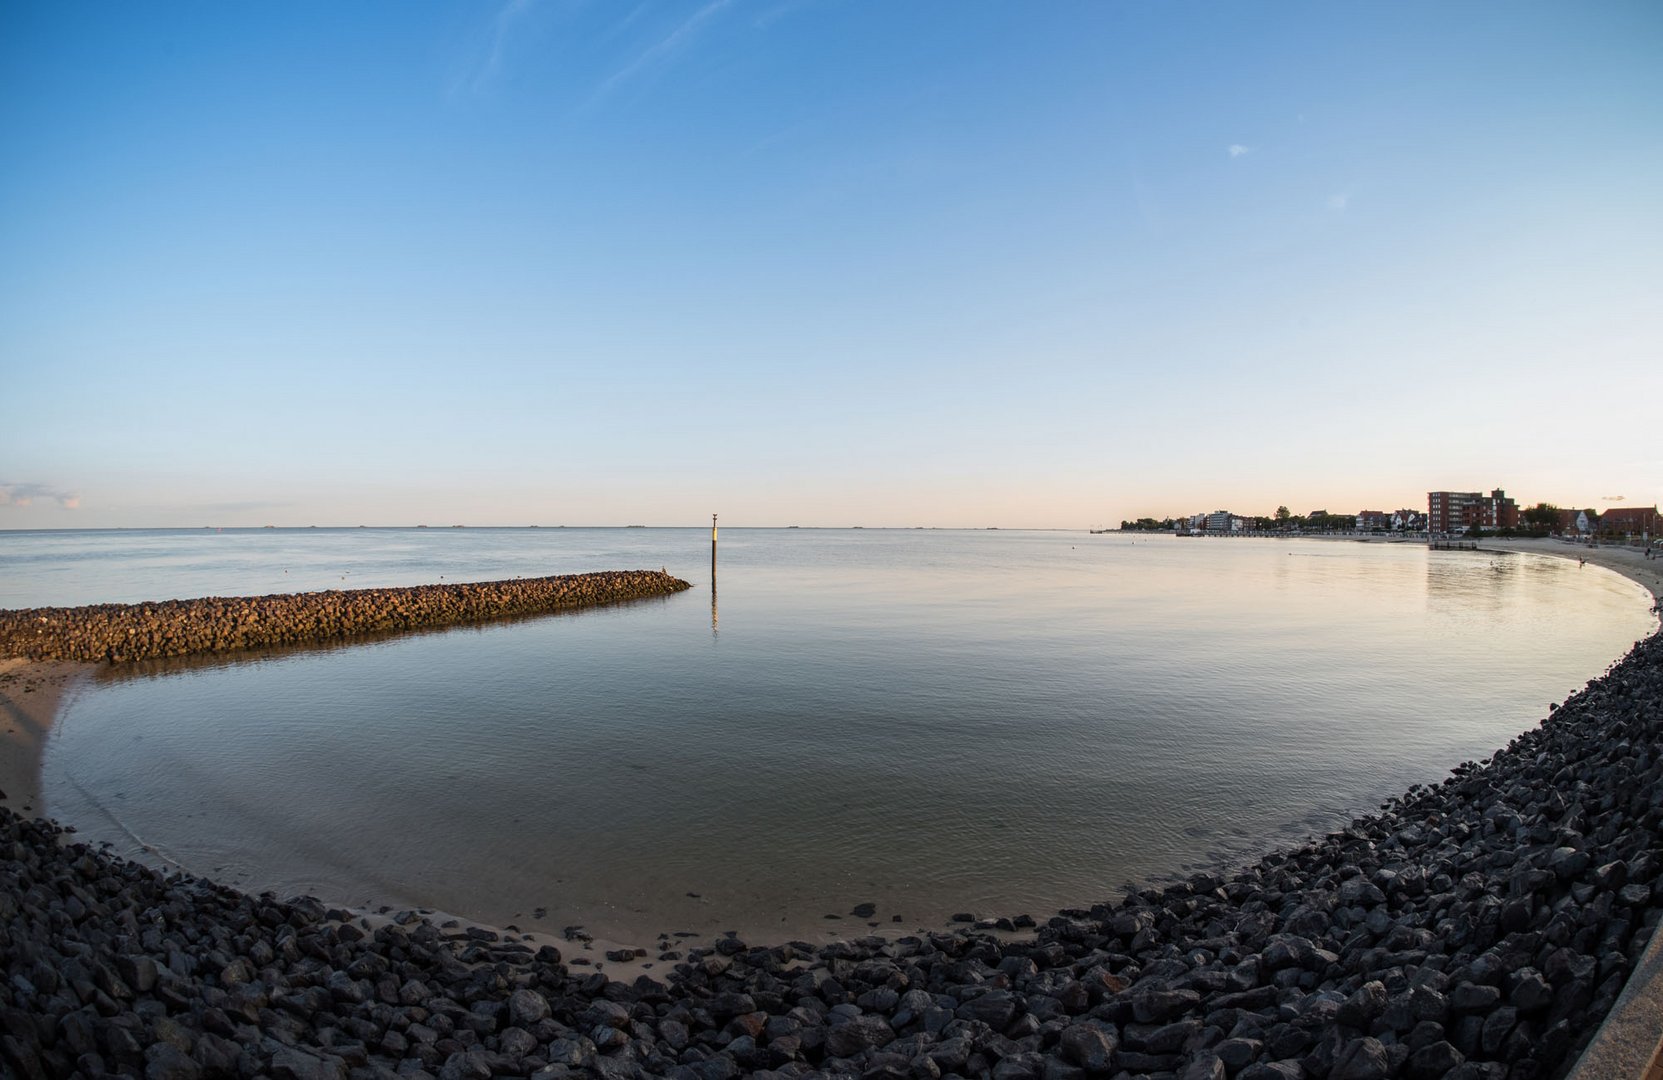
x=660 y=51
x=487 y=62
x=780 y=11
x=1339 y=201
x=626 y=22
x=12 y=494
x=1238 y=150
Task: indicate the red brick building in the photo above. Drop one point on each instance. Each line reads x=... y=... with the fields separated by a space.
x=1450 y=512
x=1637 y=521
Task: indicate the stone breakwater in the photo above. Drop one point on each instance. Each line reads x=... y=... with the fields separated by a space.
x=120 y=633
x=1477 y=929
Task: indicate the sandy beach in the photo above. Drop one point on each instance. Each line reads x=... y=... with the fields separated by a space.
x=1627 y=561
x=30 y=696
x=1630 y=562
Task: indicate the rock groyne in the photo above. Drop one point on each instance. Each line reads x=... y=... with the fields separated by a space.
x=119 y=633
x=1477 y=929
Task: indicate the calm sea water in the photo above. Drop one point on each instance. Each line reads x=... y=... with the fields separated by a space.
x=929 y=721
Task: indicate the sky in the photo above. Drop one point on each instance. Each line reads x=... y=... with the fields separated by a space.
x=824 y=263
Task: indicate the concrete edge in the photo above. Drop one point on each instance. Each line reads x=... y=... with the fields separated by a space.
x=1630 y=1040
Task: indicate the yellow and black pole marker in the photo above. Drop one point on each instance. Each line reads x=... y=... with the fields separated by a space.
x=713 y=573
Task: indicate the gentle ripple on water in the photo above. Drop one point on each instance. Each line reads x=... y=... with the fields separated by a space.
x=932 y=721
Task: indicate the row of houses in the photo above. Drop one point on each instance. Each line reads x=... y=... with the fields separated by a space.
x=1395 y=521
x=1641 y=522
x=1452 y=513
x=1223 y=521
x=1219 y=521
x=1455 y=513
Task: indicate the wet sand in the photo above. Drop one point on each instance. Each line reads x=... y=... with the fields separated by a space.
x=1627 y=561
x=31 y=695
x=1630 y=562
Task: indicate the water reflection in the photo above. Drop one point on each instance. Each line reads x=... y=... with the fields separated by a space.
x=1465 y=582
x=934 y=722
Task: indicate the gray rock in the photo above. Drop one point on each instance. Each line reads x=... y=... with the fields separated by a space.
x=1472 y=998
x=1531 y=992
x=1238 y=1053
x=1566 y=863
x=1170 y=1038
x=606 y=1014
x=1272 y=1070
x=1360 y=1059
x=164 y=1061
x=1497 y=1026
x=288 y=1063
x=526 y=1008
x=996 y=1009
x=857 y=1034
x=1361 y=1008
x=1434 y=1061
x=1091 y=1045
x=516 y=1042
x=1205 y=1067
x=572 y=1053
x=1155 y=1006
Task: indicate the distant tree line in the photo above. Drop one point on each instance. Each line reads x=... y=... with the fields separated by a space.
x=1541 y=519
x=1282 y=520
x=1538 y=521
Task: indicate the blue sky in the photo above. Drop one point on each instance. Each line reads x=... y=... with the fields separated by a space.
x=808 y=262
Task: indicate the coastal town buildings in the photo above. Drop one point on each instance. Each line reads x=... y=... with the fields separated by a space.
x=1580 y=522
x=1447 y=514
x=1641 y=522
x=1450 y=512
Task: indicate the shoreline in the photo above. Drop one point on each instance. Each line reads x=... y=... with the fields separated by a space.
x=599 y=939
x=1130 y=951
x=1629 y=562
x=1478 y=928
x=32 y=694
x=1626 y=561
